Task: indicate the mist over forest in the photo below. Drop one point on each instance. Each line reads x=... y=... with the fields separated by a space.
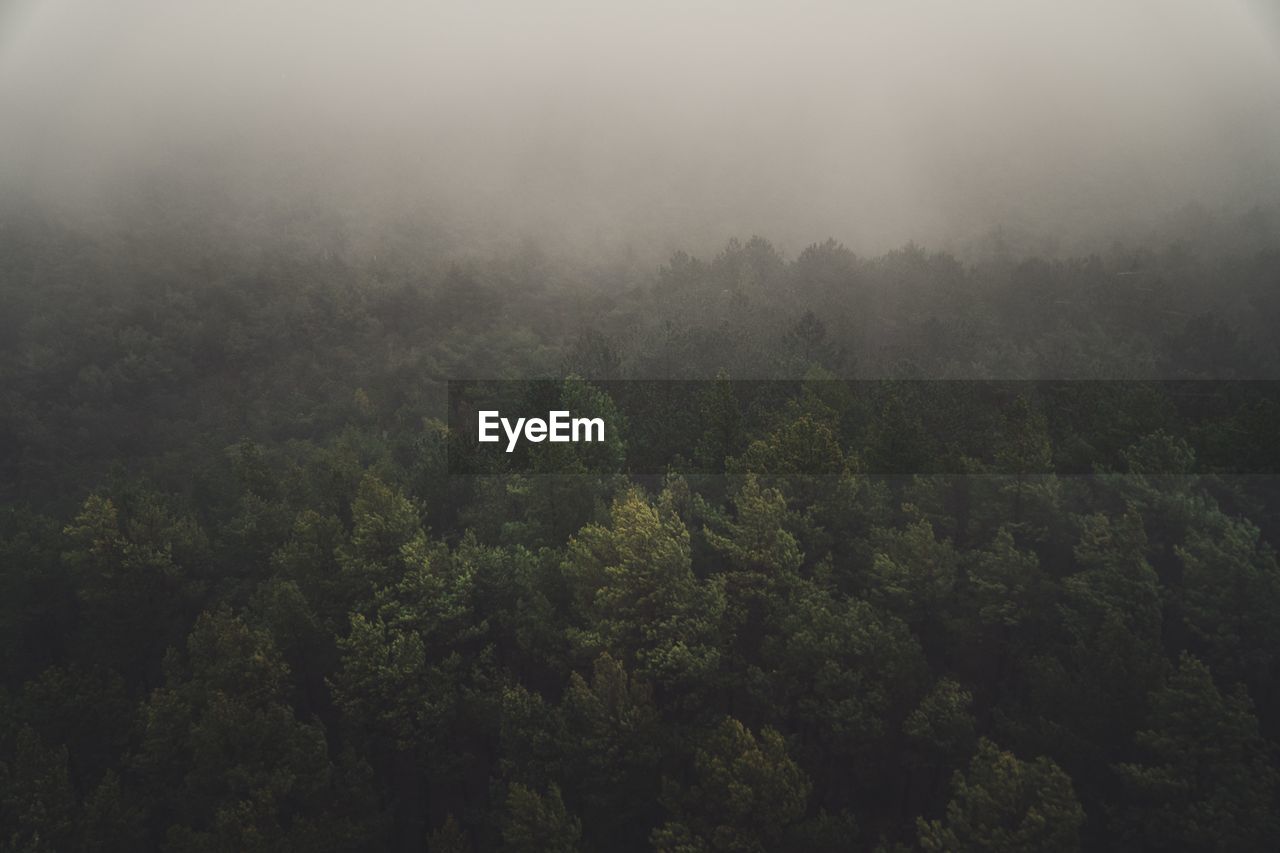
x=591 y=127
x=933 y=344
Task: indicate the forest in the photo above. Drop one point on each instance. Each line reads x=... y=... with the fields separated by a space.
x=834 y=594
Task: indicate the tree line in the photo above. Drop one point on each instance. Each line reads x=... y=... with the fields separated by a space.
x=244 y=604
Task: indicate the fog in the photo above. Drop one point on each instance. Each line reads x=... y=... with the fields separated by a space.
x=647 y=126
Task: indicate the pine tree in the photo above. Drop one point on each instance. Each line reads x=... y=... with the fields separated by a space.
x=1002 y=804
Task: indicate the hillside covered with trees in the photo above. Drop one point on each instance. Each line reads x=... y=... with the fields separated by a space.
x=245 y=605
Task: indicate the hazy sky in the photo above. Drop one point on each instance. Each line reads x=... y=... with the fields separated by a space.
x=660 y=124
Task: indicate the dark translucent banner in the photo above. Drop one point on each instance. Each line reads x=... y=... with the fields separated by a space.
x=875 y=427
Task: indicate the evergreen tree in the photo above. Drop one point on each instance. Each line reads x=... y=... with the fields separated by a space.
x=1206 y=779
x=1004 y=804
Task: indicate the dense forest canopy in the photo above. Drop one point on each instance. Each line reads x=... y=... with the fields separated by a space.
x=248 y=606
x=939 y=499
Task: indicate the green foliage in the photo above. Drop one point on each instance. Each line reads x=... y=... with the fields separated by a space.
x=843 y=669
x=245 y=604
x=758 y=542
x=1004 y=582
x=913 y=574
x=942 y=727
x=613 y=746
x=1230 y=592
x=539 y=823
x=113 y=819
x=222 y=759
x=1206 y=780
x=449 y=838
x=634 y=588
x=36 y=800
x=1004 y=804
x=744 y=793
x=386 y=536
x=133 y=592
